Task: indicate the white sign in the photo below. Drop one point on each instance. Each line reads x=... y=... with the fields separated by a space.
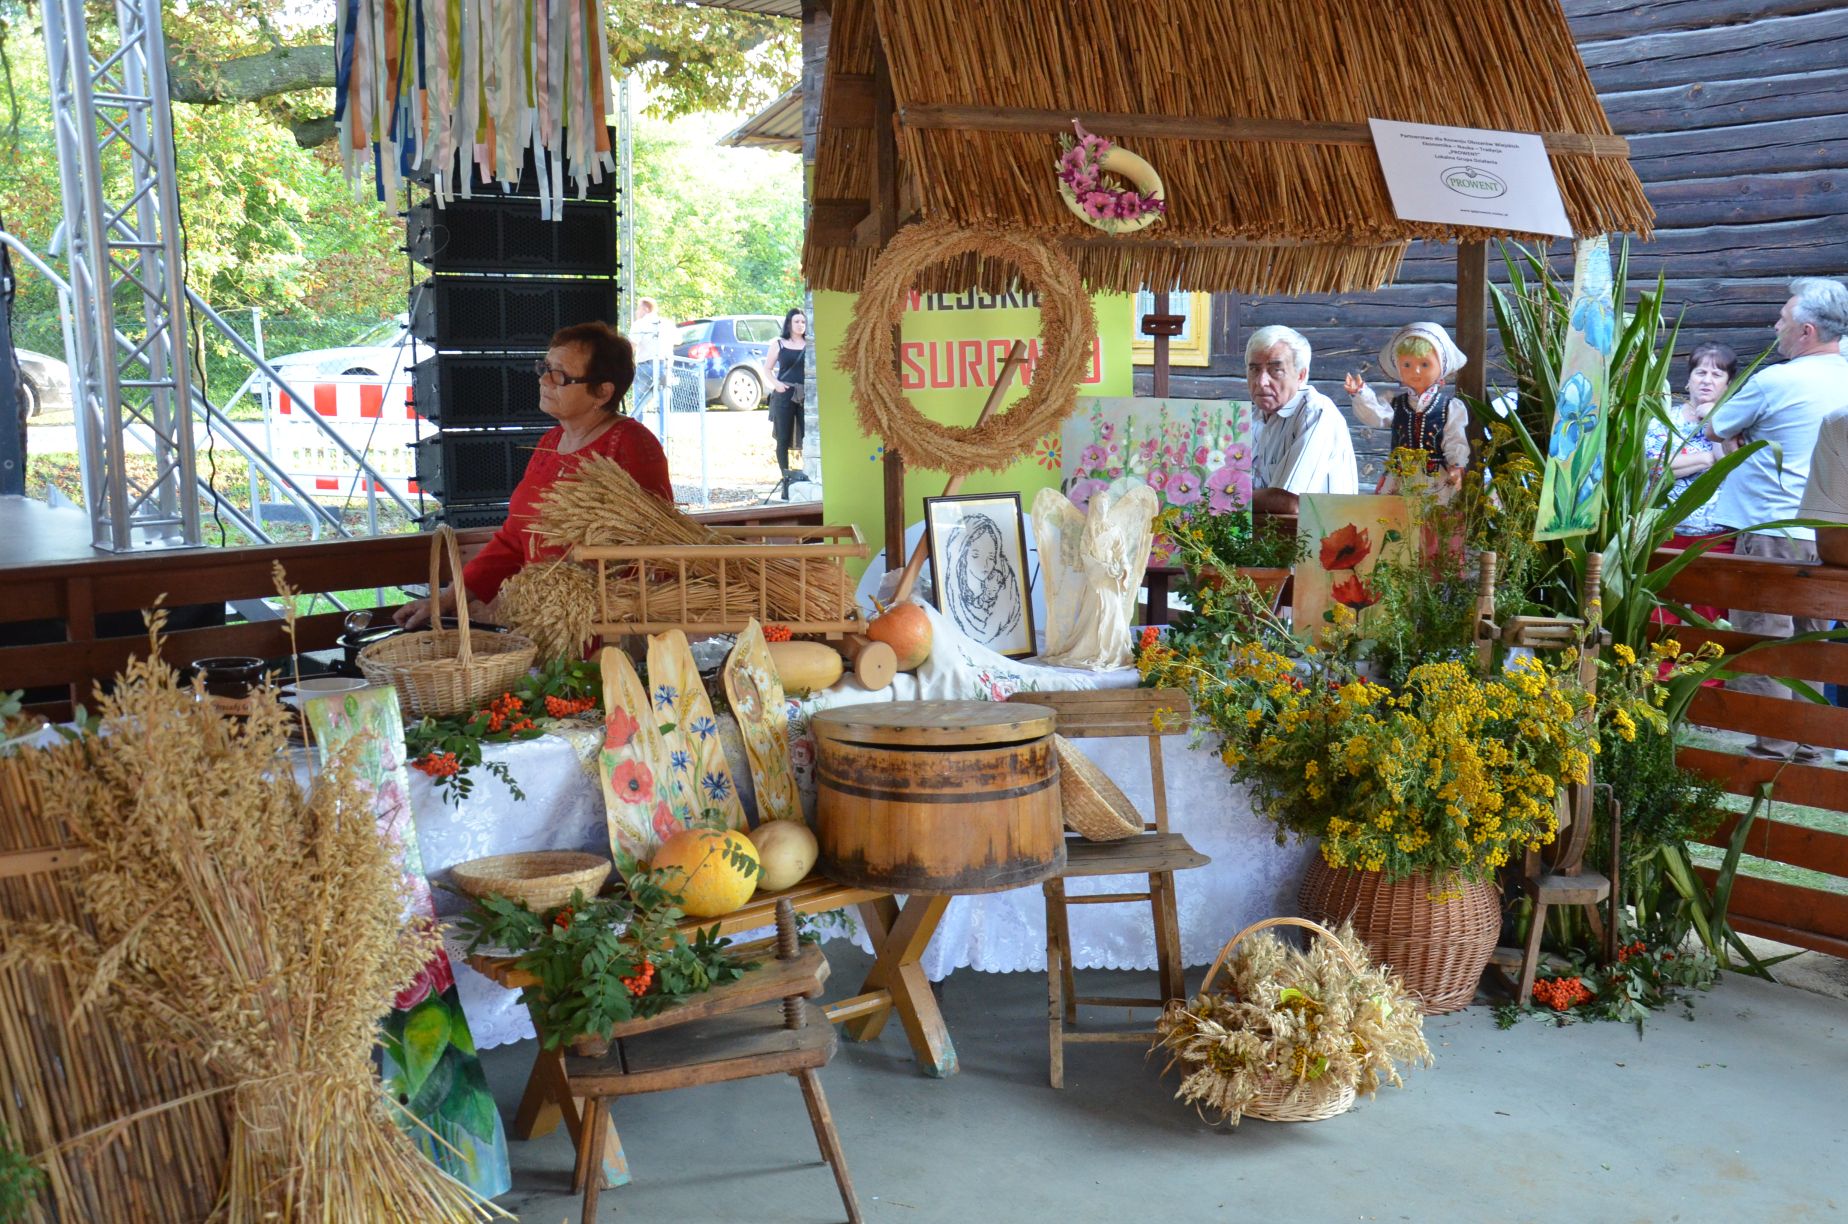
x=1470 y=176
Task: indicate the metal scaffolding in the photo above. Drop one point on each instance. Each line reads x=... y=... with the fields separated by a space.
x=132 y=378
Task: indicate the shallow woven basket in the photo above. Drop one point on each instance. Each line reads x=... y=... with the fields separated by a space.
x=440 y=672
x=1437 y=933
x=543 y=879
x=1274 y=1103
x=1094 y=807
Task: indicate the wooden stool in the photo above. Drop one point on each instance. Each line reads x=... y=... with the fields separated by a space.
x=1156 y=853
x=761 y=1024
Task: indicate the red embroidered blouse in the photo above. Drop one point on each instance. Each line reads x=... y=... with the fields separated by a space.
x=629 y=442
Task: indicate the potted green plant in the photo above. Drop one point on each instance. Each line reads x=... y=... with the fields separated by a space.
x=1212 y=546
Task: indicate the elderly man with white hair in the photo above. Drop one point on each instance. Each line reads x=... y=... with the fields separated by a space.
x=1785 y=405
x=1303 y=444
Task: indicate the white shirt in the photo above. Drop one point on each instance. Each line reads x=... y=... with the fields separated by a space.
x=1783 y=405
x=1370 y=410
x=1826 y=494
x=653 y=339
x=1305 y=448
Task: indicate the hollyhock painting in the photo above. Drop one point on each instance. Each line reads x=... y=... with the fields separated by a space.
x=1345 y=536
x=1188 y=451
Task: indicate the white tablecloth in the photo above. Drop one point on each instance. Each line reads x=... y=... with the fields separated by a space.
x=1250 y=876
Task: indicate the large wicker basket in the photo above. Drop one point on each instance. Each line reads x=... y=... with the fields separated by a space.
x=1274 y=1103
x=440 y=672
x=1437 y=933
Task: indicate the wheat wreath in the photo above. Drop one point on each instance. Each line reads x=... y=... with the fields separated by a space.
x=1067 y=328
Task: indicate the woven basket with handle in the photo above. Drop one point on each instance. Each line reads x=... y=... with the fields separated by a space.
x=543 y=879
x=440 y=672
x=1274 y=1103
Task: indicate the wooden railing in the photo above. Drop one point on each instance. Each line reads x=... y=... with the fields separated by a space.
x=89 y=606
x=1807 y=917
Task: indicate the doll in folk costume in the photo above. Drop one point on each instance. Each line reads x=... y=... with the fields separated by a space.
x=1424 y=415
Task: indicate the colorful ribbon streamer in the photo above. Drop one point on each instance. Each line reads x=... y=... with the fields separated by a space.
x=458 y=87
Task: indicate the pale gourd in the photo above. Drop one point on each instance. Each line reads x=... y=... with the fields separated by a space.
x=805 y=667
x=787 y=849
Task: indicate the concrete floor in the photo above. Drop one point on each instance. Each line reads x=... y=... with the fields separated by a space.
x=1739 y=1115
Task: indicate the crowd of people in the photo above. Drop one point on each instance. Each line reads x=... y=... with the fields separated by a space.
x=1768 y=506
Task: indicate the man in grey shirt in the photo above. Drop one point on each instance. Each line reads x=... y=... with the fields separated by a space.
x=1784 y=405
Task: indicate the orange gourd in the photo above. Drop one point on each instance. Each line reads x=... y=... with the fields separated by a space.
x=905 y=627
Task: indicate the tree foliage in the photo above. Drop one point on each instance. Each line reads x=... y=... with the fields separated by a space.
x=718 y=230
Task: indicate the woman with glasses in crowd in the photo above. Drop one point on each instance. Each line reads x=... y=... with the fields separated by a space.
x=582 y=380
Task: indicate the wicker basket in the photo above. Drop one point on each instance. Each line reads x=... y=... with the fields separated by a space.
x=441 y=672
x=1436 y=932
x=543 y=879
x=1274 y=1103
x=1092 y=804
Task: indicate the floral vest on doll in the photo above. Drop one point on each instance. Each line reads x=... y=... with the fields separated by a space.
x=1421 y=429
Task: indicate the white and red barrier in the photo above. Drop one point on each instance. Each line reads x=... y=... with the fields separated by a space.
x=377 y=421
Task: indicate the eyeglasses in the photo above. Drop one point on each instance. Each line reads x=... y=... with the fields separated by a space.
x=548 y=372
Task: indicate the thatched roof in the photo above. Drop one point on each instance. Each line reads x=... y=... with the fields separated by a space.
x=777 y=126
x=1253 y=111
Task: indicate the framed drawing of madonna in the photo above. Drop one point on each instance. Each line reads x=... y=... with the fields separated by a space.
x=978 y=567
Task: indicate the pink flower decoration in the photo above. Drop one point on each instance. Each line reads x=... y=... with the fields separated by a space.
x=1082 y=492
x=1228 y=489
x=1107 y=431
x=1183 y=489
x=1199 y=457
x=1096 y=204
x=1238 y=455
x=1157 y=479
x=1094 y=457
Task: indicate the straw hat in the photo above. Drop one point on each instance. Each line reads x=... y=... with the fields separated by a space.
x=1094 y=807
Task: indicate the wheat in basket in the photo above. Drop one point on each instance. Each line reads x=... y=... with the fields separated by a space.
x=1292 y=1036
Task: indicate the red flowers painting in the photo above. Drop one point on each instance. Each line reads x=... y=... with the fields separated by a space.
x=619 y=728
x=1345 y=547
x=1351 y=592
x=632 y=782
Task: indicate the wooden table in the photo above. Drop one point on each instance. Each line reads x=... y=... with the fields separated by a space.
x=896 y=983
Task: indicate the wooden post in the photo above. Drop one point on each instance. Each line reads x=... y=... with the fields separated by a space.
x=1161 y=350
x=885 y=210
x=1473 y=332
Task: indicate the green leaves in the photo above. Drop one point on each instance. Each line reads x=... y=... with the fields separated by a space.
x=602 y=960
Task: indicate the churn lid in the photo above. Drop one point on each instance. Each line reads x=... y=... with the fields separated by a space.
x=934 y=724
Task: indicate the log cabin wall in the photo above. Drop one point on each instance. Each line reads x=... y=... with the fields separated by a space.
x=1737 y=116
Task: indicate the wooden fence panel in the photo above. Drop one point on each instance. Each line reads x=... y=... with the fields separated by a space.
x=1807 y=917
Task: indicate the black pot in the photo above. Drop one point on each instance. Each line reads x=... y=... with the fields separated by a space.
x=232 y=676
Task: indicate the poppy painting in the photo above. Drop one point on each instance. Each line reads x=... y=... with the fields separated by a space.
x=1344 y=535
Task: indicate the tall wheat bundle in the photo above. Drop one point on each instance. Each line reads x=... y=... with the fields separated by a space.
x=601 y=504
x=253 y=927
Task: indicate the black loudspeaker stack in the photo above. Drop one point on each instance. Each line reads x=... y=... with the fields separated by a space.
x=502 y=279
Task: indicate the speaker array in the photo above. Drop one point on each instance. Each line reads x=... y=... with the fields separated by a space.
x=502 y=279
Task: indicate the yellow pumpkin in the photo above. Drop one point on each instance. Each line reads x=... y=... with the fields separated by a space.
x=707 y=868
x=904 y=627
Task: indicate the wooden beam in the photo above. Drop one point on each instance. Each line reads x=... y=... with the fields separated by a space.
x=1194 y=127
x=851 y=101
x=1473 y=334
x=885 y=212
x=833 y=222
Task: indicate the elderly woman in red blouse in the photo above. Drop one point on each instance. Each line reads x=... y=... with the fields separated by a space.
x=582 y=379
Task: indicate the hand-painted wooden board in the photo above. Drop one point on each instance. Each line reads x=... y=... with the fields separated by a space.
x=699 y=780
x=632 y=764
x=429 y=1055
x=763 y=715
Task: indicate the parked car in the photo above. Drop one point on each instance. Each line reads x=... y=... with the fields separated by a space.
x=44 y=382
x=382 y=351
x=731 y=350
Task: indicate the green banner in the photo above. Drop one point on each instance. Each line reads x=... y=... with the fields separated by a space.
x=950 y=347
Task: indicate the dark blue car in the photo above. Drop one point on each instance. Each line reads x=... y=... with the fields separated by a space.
x=730 y=350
